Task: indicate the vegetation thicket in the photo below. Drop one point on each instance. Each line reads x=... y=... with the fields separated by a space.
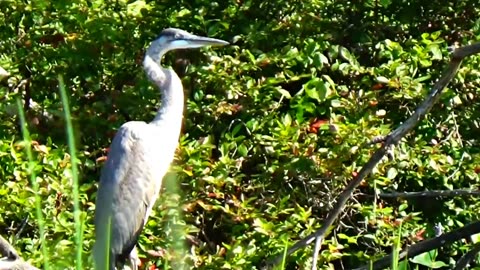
x=276 y=124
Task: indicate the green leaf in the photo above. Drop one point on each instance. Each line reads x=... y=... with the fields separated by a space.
x=317 y=89
x=392 y=173
x=311 y=89
x=436 y=52
x=319 y=60
x=250 y=56
x=402 y=207
x=311 y=47
x=382 y=79
x=135 y=9
x=475 y=237
x=184 y=12
x=284 y=92
x=236 y=129
x=322 y=90
x=336 y=103
x=242 y=150
x=434 y=164
x=457 y=100
x=428 y=259
x=287 y=120
x=385 y=3
x=345 y=53
x=425 y=62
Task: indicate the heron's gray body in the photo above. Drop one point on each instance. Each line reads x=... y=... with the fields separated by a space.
x=131 y=179
x=139 y=157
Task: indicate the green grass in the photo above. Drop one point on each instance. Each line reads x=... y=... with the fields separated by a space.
x=33 y=180
x=109 y=235
x=73 y=159
x=175 y=216
x=284 y=258
x=396 y=249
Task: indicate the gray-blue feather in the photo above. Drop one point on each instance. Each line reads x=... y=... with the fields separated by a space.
x=131 y=179
x=121 y=184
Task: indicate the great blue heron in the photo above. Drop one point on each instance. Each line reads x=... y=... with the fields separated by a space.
x=139 y=157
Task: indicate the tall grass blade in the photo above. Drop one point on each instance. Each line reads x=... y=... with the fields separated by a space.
x=101 y=251
x=73 y=157
x=284 y=258
x=175 y=215
x=397 y=248
x=33 y=180
x=109 y=240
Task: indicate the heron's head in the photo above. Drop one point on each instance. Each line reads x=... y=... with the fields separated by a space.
x=173 y=38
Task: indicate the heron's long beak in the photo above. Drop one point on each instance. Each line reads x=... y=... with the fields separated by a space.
x=194 y=41
x=205 y=41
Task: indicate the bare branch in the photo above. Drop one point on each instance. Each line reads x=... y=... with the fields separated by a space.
x=457 y=55
x=427 y=245
x=467 y=258
x=316 y=250
x=427 y=194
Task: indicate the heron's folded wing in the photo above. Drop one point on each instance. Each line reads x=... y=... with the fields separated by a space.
x=123 y=185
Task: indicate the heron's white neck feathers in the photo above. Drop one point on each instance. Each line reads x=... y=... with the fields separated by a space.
x=171 y=109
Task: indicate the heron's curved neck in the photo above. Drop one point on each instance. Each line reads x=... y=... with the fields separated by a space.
x=170 y=112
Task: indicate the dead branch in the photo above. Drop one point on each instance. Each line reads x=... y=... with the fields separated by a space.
x=427 y=245
x=426 y=194
x=457 y=56
x=467 y=258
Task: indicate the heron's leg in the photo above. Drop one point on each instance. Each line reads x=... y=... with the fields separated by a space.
x=134 y=260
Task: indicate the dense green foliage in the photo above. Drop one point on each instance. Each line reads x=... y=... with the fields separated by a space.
x=275 y=124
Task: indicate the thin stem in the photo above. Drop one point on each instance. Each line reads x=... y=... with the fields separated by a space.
x=73 y=158
x=33 y=180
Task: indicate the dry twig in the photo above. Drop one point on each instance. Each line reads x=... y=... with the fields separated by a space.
x=427 y=194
